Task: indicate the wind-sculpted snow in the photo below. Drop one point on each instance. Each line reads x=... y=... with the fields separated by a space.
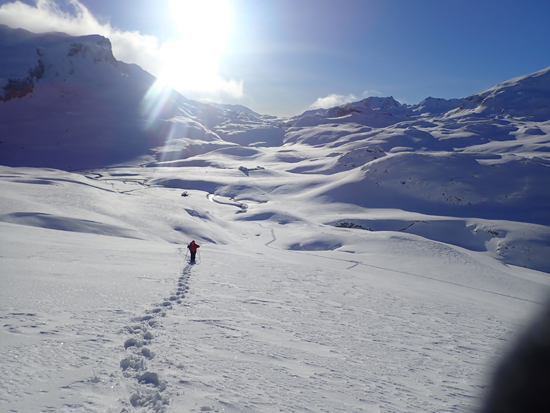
x=465 y=182
x=317 y=135
x=504 y=238
x=264 y=135
x=42 y=220
x=276 y=216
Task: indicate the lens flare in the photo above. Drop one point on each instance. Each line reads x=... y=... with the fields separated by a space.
x=190 y=63
x=190 y=66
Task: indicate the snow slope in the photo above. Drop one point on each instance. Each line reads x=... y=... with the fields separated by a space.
x=373 y=257
x=101 y=312
x=526 y=97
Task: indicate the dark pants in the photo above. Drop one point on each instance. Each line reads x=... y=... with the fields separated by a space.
x=193 y=253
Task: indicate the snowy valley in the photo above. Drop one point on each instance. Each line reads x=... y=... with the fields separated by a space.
x=372 y=257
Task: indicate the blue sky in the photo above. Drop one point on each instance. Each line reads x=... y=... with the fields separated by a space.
x=283 y=57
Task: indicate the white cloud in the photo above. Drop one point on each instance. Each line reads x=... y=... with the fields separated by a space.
x=128 y=46
x=46 y=16
x=369 y=93
x=333 y=100
x=232 y=87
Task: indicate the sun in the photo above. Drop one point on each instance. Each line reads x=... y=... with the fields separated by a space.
x=191 y=61
x=211 y=19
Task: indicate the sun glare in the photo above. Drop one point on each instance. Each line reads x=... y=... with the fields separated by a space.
x=190 y=63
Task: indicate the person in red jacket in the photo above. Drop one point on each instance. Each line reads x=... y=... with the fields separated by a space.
x=193 y=248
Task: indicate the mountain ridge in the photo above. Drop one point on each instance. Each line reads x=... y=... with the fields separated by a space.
x=525 y=96
x=87 y=110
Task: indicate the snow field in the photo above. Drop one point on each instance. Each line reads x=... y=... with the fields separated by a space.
x=100 y=312
x=262 y=334
x=65 y=300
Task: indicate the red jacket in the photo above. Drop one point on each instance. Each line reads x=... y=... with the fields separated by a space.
x=192 y=246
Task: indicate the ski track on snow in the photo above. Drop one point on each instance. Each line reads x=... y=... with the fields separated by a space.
x=359 y=263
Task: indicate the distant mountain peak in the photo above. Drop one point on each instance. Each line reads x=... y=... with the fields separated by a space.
x=521 y=97
x=525 y=97
x=376 y=102
x=436 y=106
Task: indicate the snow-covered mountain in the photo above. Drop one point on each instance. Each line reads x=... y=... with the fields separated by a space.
x=69 y=104
x=436 y=106
x=66 y=102
x=524 y=97
x=369 y=257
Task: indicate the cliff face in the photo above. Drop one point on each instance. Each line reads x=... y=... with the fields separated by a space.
x=66 y=102
x=54 y=58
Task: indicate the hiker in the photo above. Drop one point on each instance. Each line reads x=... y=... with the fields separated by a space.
x=193 y=248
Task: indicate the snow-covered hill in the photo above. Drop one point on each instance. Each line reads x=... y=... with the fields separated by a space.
x=459 y=156
x=371 y=257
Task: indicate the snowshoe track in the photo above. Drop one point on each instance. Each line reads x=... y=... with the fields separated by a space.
x=146 y=388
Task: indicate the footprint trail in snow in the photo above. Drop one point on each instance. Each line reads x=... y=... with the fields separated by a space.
x=146 y=387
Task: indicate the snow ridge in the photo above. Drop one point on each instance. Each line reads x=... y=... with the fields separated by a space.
x=525 y=97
